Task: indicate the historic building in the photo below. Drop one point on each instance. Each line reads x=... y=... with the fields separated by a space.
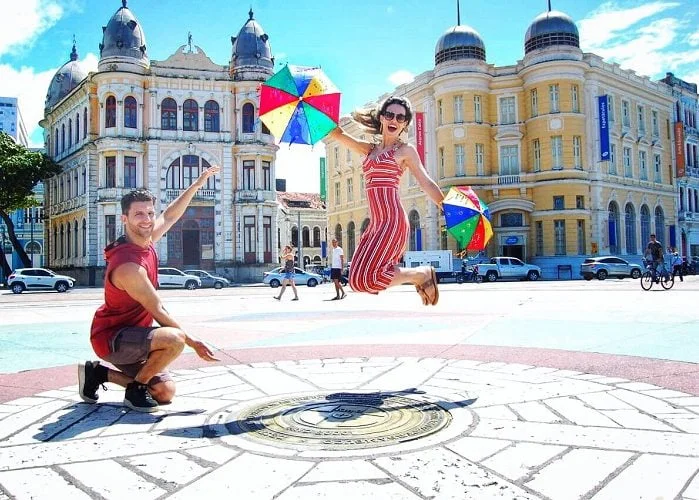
x=686 y=141
x=306 y=211
x=137 y=122
x=527 y=138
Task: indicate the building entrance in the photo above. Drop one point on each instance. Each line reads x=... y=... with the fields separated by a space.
x=513 y=251
x=191 y=254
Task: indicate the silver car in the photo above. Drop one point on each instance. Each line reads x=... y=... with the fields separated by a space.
x=208 y=280
x=275 y=277
x=604 y=267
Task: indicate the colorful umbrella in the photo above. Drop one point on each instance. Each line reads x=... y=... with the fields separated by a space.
x=467 y=218
x=299 y=105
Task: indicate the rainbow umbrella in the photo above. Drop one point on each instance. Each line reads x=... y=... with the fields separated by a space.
x=467 y=218
x=299 y=105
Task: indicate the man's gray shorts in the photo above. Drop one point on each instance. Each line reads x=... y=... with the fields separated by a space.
x=129 y=350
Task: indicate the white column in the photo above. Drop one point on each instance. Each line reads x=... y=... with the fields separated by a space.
x=120 y=117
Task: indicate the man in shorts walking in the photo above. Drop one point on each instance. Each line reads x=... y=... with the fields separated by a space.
x=336 y=266
x=122 y=331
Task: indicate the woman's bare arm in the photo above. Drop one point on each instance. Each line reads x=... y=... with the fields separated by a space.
x=357 y=145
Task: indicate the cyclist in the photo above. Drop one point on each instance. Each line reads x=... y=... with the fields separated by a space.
x=655 y=251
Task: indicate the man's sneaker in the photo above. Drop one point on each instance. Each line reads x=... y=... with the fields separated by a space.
x=138 y=398
x=90 y=376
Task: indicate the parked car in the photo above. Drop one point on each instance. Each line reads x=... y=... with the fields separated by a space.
x=37 y=278
x=604 y=267
x=208 y=280
x=275 y=277
x=174 y=278
x=508 y=268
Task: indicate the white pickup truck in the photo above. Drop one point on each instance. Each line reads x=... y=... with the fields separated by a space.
x=508 y=268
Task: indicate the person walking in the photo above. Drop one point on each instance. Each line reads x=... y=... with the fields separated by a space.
x=122 y=331
x=287 y=259
x=375 y=262
x=677 y=262
x=336 y=267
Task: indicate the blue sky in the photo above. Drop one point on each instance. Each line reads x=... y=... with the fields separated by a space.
x=366 y=47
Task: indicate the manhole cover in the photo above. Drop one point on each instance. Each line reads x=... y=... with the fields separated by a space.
x=340 y=421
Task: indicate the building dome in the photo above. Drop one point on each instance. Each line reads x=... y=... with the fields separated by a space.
x=459 y=42
x=251 y=48
x=65 y=80
x=550 y=29
x=123 y=39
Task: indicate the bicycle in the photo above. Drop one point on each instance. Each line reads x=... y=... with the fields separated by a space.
x=666 y=280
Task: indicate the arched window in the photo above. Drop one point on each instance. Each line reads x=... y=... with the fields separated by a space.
x=68 y=247
x=130 y=112
x=55 y=242
x=660 y=224
x=70 y=132
x=316 y=237
x=414 y=219
x=338 y=234
x=75 y=238
x=84 y=122
x=350 y=240
x=211 y=117
x=77 y=128
x=630 y=223
x=63 y=138
x=185 y=170
x=248 y=118
x=61 y=242
x=613 y=230
x=55 y=143
x=645 y=225
x=295 y=236
x=168 y=114
x=306 y=236
x=84 y=238
x=190 y=115
x=110 y=115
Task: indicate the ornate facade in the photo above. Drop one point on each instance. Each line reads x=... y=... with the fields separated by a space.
x=526 y=137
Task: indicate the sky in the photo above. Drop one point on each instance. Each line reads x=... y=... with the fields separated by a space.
x=366 y=47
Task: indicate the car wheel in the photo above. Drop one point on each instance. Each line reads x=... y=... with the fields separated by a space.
x=602 y=274
x=17 y=287
x=635 y=274
x=491 y=276
x=532 y=276
x=218 y=285
x=191 y=285
x=61 y=286
x=312 y=282
x=274 y=283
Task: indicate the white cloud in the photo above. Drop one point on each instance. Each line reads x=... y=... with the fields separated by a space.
x=693 y=39
x=400 y=77
x=25 y=20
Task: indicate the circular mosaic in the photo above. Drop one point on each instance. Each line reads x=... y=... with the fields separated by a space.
x=340 y=421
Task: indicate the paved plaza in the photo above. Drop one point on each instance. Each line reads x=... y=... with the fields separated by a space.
x=544 y=390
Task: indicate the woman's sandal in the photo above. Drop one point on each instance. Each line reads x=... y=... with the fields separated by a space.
x=422 y=289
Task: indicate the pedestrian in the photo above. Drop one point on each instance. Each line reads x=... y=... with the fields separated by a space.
x=375 y=263
x=122 y=331
x=287 y=259
x=654 y=251
x=677 y=265
x=336 y=266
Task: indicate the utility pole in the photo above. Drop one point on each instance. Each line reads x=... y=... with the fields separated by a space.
x=31 y=236
x=300 y=240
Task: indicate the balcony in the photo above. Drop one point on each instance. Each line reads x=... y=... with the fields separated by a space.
x=253 y=196
x=111 y=194
x=508 y=179
x=202 y=194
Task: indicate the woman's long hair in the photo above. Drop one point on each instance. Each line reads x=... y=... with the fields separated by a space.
x=369 y=118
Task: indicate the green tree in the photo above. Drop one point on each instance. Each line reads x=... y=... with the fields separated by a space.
x=20 y=172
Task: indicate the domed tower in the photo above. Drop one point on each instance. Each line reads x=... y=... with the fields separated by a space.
x=123 y=44
x=251 y=58
x=552 y=35
x=65 y=80
x=460 y=48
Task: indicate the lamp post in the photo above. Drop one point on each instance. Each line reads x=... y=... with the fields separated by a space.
x=300 y=240
x=31 y=235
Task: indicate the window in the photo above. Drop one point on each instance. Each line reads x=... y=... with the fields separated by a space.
x=575 y=99
x=580 y=202
x=539 y=228
x=610 y=108
x=645 y=224
x=440 y=113
x=84 y=238
x=582 y=246
x=69 y=192
x=185 y=170
x=168 y=114
x=459 y=160
x=654 y=123
x=362 y=189
x=305 y=237
x=511 y=219
x=190 y=115
x=77 y=128
x=660 y=224
x=536 y=148
x=248 y=174
x=70 y=132
x=641 y=121
x=211 y=117
x=557 y=152
x=627 y=163
x=559 y=202
x=441 y=163
x=554 y=104
x=336 y=155
x=130 y=112
x=509 y=160
x=190 y=170
x=55 y=144
x=109 y=228
x=248 y=118
x=63 y=138
x=458 y=109
x=658 y=175
x=642 y=167
x=110 y=115
x=249 y=240
x=612 y=159
x=577 y=152
x=350 y=190
x=55 y=242
x=613 y=225
x=110 y=172
x=75 y=238
x=337 y=193
x=316 y=237
x=507 y=110
x=535 y=102
x=480 y=159
x=84 y=123
x=559 y=236
x=266 y=175
x=129 y=172
x=625 y=114
x=630 y=223
x=68 y=240
x=267 y=235
x=477 y=111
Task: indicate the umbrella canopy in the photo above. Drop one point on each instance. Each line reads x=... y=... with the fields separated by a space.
x=299 y=105
x=467 y=217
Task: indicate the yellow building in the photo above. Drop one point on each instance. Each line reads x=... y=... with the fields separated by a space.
x=526 y=137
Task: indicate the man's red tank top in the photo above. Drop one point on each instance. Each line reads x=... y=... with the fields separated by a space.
x=119 y=309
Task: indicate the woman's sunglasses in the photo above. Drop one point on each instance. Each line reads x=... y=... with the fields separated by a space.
x=390 y=115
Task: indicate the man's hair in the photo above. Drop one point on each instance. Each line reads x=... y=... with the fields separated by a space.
x=652 y=236
x=135 y=195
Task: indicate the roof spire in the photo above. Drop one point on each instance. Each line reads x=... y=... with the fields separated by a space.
x=458 y=13
x=549 y=5
x=251 y=14
x=123 y=4
x=74 y=52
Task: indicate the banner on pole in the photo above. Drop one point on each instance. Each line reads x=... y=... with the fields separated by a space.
x=602 y=102
x=420 y=135
x=323 y=192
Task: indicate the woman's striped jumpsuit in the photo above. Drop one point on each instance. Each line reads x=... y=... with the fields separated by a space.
x=382 y=244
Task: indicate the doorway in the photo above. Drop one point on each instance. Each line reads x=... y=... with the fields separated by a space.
x=516 y=251
x=191 y=247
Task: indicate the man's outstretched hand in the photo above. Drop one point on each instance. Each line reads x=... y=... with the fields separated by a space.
x=213 y=170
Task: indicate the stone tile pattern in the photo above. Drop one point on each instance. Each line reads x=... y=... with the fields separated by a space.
x=537 y=433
